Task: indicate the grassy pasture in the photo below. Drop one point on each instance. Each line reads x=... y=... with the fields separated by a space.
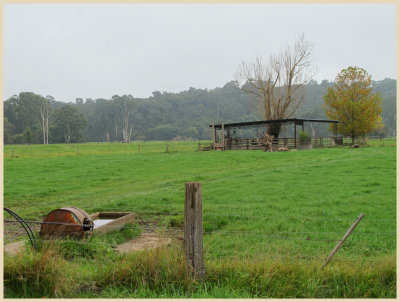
x=263 y=212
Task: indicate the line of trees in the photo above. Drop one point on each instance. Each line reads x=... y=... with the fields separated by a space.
x=32 y=118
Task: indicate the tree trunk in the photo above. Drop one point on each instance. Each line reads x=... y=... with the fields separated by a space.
x=43 y=130
x=274 y=129
x=130 y=134
x=47 y=126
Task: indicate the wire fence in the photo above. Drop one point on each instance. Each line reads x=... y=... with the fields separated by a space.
x=248 y=233
x=17 y=151
x=313 y=236
x=211 y=212
x=106 y=148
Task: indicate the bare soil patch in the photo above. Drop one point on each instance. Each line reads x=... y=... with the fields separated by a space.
x=147 y=240
x=14 y=248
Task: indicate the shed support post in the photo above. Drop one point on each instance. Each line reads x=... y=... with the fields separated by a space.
x=193 y=226
x=228 y=143
x=223 y=136
x=213 y=133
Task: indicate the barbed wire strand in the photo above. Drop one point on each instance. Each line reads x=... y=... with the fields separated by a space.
x=228 y=231
x=243 y=233
x=206 y=213
x=307 y=258
x=293 y=237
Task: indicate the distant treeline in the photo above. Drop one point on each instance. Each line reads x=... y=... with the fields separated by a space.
x=163 y=116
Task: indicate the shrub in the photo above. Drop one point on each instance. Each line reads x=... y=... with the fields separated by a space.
x=19 y=139
x=304 y=137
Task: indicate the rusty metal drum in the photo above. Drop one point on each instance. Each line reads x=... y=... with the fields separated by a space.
x=69 y=221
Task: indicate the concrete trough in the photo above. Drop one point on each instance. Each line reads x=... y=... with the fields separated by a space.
x=108 y=221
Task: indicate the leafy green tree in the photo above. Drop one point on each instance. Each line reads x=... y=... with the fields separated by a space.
x=28 y=135
x=69 y=125
x=8 y=131
x=352 y=102
x=19 y=139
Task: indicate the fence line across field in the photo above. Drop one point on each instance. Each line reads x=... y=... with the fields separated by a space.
x=206 y=213
x=289 y=238
x=233 y=232
x=162 y=147
x=293 y=217
x=269 y=256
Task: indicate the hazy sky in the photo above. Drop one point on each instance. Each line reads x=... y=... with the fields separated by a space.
x=98 y=50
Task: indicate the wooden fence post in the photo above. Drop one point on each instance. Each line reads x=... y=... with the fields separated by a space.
x=198 y=146
x=193 y=236
x=343 y=239
x=166 y=148
x=12 y=152
x=77 y=150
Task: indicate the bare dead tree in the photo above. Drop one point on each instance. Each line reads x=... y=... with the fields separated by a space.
x=44 y=115
x=125 y=121
x=278 y=83
x=127 y=125
x=130 y=134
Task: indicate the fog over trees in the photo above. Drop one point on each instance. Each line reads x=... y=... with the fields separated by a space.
x=163 y=116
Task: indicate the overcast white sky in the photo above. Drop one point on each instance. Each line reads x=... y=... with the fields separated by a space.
x=98 y=50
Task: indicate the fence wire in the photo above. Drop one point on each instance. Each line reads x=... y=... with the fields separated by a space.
x=207 y=213
x=275 y=235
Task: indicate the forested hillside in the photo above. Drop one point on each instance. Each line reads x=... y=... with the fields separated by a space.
x=163 y=116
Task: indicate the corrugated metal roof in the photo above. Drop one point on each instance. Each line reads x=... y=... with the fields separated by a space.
x=297 y=121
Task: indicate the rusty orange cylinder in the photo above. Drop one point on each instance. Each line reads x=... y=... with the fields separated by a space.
x=69 y=221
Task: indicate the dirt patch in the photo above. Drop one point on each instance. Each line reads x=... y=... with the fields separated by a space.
x=14 y=248
x=13 y=232
x=144 y=242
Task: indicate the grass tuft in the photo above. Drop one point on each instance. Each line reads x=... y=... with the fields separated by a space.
x=37 y=274
x=160 y=270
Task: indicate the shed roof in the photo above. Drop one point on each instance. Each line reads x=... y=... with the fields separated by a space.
x=297 y=121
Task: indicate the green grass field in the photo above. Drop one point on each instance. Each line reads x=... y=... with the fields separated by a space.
x=269 y=218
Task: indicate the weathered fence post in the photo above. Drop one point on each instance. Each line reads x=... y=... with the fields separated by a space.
x=77 y=150
x=193 y=236
x=343 y=239
x=198 y=146
x=12 y=152
x=166 y=148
